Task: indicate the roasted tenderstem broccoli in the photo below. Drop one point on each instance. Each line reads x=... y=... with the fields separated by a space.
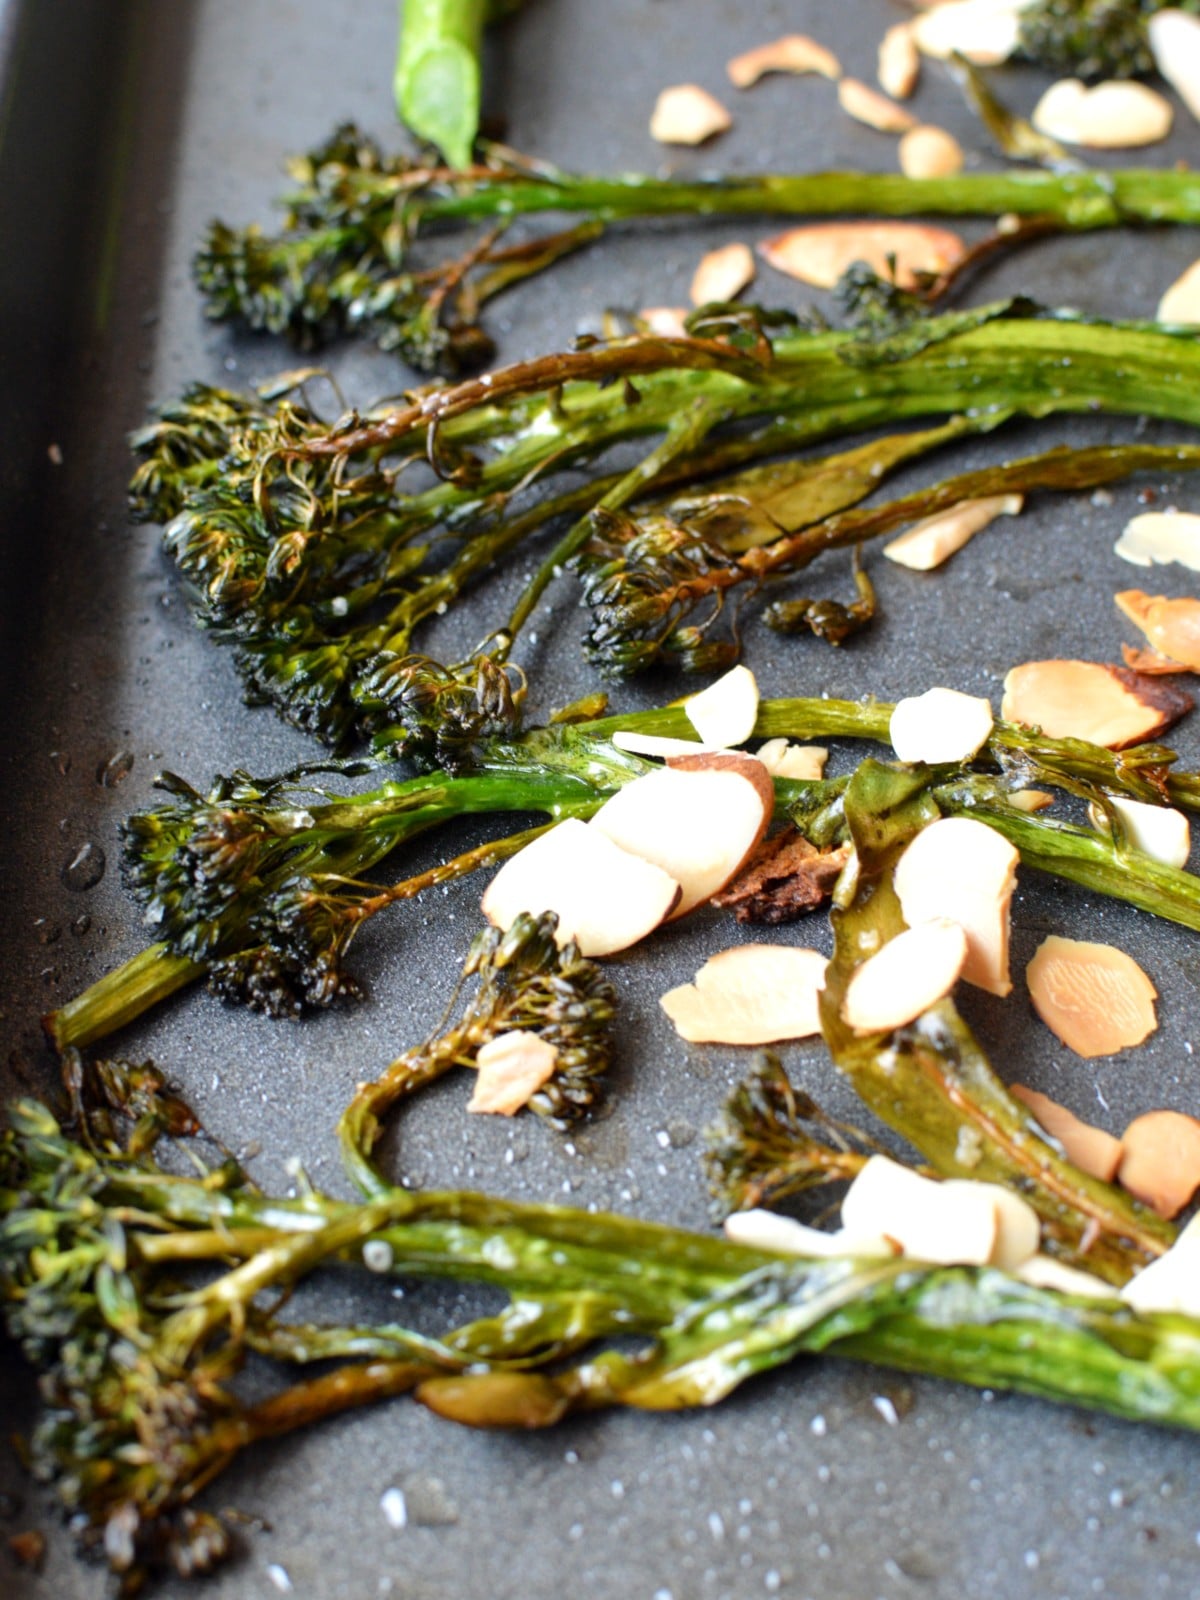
x=1091 y=38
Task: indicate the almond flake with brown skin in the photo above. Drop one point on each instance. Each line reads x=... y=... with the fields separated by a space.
x=962 y=870
x=1107 y=705
x=912 y=972
x=512 y=1067
x=1161 y=1160
x=1093 y=997
x=874 y=110
x=1159 y=538
x=687 y=114
x=1181 y=302
x=1150 y=662
x=795 y=52
x=933 y=540
x=751 y=994
x=820 y=252
x=698 y=819
x=929 y=152
x=1089 y=1148
x=722 y=274
x=1172 y=627
x=784 y=879
x=1118 y=115
x=1174 y=37
x=899 y=62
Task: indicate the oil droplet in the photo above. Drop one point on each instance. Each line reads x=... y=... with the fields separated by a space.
x=115 y=770
x=47 y=932
x=81 y=925
x=85 y=868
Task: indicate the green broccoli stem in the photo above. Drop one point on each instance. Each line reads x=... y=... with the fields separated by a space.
x=437 y=77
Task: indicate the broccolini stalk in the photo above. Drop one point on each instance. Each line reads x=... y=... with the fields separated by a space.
x=438 y=71
x=305 y=552
x=931 y=1079
x=356 y=216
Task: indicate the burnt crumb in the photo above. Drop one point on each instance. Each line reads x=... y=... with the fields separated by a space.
x=785 y=878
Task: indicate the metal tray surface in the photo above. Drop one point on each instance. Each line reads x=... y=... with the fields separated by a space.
x=124 y=127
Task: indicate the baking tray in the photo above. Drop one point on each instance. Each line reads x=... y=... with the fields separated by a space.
x=125 y=126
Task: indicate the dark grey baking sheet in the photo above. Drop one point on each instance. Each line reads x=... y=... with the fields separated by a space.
x=124 y=126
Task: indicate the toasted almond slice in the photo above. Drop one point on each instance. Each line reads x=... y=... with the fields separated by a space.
x=899 y=63
x=939 y=725
x=795 y=52
x=949 y=1223
x=1161 y=1160
x=1181 y=302
x=1106 y=705
x=875 y=110
x=752 y=994
x=724 y=714
x=1172 y=1283
x=1091 y=1149
x=512 y=1068
x=697 y=818
x=1044 y=1272
x=1093 y=997
x=912 y=972
x=798 y=761
x=767 y=1230
x=657 y=744
x=1160 y=832
x=1031 y=800
x=1118 y=115
x=667 y=321
x=933 y=540
x=687 y=114
x=1157 y=538
x=722 y=274
x=1018 y=1228
x=606 y=898
x=1174 y=37
x=1150 y=662
x=984 y=31
x=929 y=152
x=1172 y=627
x=820 y=252
x=964 y=871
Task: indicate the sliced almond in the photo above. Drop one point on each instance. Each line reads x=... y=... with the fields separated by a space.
x=1031 y=800
x=1160 y=832
x=795 y=52
x=1172 y=627
x=1174 y=37
x=803 y=762
x=912 y=972
x=1018 y=1228
x=1044 y=1272
x=875 y=110
x=752 y=994
x=1161 y=1160
x=984 y=31
x=933 y=540
x=1118 y=115
x=939 y=725
x=820 y=252
x=659 y=745
x=1091 y=1149
x=1172 y=1283
x=512 y=1068
x=1181 y=302
x=605 y=898
x=899 y=63
x=1093 y=997
x=697 y=819
x=724 y=714
x=1157 y=538
x=929 y=152
x=722 y=274
x=954 y=1222
x=964 y=871
x=687 y=114
x=767 y=1230
x=1106 y=705
x=1149 y=661
x=666 y=321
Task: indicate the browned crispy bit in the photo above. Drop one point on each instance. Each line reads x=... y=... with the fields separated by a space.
x=784 y=879
x=28 y=1549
